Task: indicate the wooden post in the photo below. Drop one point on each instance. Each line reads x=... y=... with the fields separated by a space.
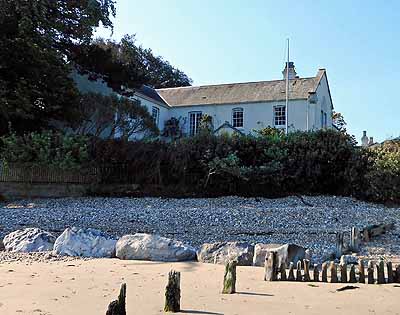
x=361 y=271
x=333 y=272
x=389 y=269
x=298 y=272
x=291 y=272
x=355 y=240
x=315 y=273
x=173 y=292
x=370 y=271
x=324 y=272
x=397 y=273
x=283 y=271
x=306 y=276
x=352 y=274
x=230 y=278
x=339 y=244
x=118 y=307
x=271 y=268
x=380 y=268
x=343 y=272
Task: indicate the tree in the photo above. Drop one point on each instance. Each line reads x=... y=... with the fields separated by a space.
x=126 y=64
x=113 y=117
x=38 y=38
x=338 y=121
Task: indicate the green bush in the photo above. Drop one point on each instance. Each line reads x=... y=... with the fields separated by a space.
x=45 y=148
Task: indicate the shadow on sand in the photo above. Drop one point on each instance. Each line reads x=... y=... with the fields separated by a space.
x=200 y=312
x=254 y=294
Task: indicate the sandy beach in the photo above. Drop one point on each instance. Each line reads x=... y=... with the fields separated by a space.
x=86 y=287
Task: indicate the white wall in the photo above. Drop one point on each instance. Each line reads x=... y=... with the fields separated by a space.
x=324 y=103
x=256 y=115
x=149 y=103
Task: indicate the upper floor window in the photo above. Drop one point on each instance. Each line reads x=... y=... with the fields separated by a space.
x=155 y=112
x=194 y=122
x=237 y=117
x=280 y=115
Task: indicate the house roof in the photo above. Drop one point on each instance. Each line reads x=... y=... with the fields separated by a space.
x=236 y=93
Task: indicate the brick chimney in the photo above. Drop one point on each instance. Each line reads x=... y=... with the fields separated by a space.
x=292 y=71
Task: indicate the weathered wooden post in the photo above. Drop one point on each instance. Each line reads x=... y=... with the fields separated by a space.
x=355 y=240
x=343 y=272
x=118 y=307
x=306 y=275
x=324 y=272
x=339 y=244
x=380 y=268
x=397 y=273
x=370 y=271
x=361 y=271
x=299 y=277
x=230 y=278
x=389 y=269
x=315 y=273
x=333 y=272
x=283 y=271
x=291 y=272
x=352 y=274
x=173 y=292
x=271 y=268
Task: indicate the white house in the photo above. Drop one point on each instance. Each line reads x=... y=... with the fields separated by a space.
x=245 y=107
x=239 y=107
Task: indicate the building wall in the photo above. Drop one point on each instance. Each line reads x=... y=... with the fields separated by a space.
x=255 y=115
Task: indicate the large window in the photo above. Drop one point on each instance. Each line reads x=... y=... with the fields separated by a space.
x=279 y=115
x=155 y=112
x=194 y=122
x=237 y=117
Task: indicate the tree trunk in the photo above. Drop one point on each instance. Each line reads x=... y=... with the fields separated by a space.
x=230 y=278
x=118 y=307
x=173 y=292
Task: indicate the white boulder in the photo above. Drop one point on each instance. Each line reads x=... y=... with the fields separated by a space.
x=285 y=253
x=222 y=252
x=85 y=243
x=142 y=246
x=29 y=240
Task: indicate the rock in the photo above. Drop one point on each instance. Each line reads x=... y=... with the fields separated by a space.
x=349 y=259
x=84 y=243
x=285 y=253
x=29 y=240
x=142 y=246
x=222 y=252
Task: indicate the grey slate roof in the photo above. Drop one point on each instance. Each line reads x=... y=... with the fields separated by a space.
x=236 y=93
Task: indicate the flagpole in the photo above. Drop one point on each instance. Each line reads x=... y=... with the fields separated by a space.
x=287 y=90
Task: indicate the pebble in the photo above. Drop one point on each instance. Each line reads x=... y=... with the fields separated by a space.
x=205 y=220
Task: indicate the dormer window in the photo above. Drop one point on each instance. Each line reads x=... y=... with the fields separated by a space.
x=237 y=117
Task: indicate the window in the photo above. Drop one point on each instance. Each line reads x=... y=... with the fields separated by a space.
x=280 y=115
x=194 y=122
x=237 y=117
x=155 y=112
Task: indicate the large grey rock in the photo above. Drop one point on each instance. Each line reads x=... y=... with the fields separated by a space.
x=222 y=252
x=285 y=253
x=85 y=243
x=142 y=246
x=29 y=240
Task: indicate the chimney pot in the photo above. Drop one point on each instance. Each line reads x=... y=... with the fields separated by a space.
x=292 y=71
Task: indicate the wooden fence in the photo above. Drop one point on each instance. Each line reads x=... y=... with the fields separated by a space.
x=42 y=174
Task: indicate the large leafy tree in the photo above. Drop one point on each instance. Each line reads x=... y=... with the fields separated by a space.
x=130 y=65
x=37 y=40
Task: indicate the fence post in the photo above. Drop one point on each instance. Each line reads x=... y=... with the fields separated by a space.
x=283 y=271
x=370 y=271
x=361 y=271
x=230 y=278
x=298 y=272
x=271 y=267
x=380 y=268
x=343 y=272
x=389 y=269
x=333 y=272
x=352 y=276
x=173 y=292
x=291 y=272
x=306 y=264
x=118 y=307
x=324 y=272
x=315 y=273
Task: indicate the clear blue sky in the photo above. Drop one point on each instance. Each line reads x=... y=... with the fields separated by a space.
x=358 y=42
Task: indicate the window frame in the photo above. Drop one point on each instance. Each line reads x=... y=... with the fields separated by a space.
x=235 y=120
x=156 y=119
x=196 y=122
x=281 y=118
